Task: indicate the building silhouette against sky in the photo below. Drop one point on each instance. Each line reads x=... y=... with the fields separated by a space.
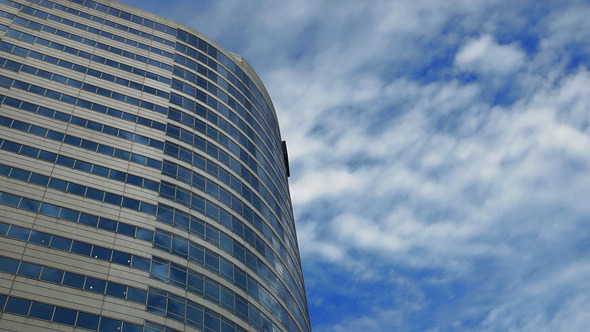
x=143 y=180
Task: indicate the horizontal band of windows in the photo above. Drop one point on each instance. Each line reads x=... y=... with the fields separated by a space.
x=66 y=316
x=23 y=52
x=79 y=142
x=156 y=301
x=111 y=11
x=170 y=149
x=47 y=16
x=17 y=67
x=28 y=38
x=100 y=20
x=159 y=269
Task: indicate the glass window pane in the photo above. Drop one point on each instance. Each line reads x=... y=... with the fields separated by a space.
x=88 y=321
x=52 y=275
x=59 y=242
x=140 y=263
x=128 y=327
x=49 y=210
x=136 y=295
x=8 y=265
x=101 y=253
x=41 y=311
x=40 y=238
x=109 y=325
x=17 y=306
x=116 y=290
x=81 y=248
x=64 y=316
x=29 y=270
x=95 y=285
x=18 y=233
x=121 y=258
x=73 y=280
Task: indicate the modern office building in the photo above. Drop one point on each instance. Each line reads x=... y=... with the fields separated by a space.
x=143 y=180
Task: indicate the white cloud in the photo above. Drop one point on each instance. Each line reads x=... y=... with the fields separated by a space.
x=485 y=55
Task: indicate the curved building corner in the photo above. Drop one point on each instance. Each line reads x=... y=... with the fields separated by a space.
x=143 y=179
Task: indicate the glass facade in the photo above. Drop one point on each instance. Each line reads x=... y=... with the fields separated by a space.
x=143 y=180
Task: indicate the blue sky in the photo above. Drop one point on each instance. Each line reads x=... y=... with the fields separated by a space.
x=439 y=154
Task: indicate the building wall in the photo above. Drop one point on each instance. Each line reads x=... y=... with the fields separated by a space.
x=143 y=183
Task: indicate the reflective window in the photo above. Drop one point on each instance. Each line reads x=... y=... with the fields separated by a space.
x=41 y=311
x=17 y=306
x=52 y=275
x=8 y=265
x=64 y=316
x=73 y=280
x=87 y=321
x=29 y=270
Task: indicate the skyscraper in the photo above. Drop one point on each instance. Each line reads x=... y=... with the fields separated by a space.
x=143 y=180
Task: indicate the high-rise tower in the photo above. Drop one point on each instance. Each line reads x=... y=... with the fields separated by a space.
x=143 y=180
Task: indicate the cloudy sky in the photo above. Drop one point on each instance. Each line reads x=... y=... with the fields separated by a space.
x=440 y=154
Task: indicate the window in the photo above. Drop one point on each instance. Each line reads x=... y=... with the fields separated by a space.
x=41 y=311
x=88 y=321
x=64 y=316
x=17 y=306
x=29 y=270
x=73 y=280
x=52 y=275
x=8 y=265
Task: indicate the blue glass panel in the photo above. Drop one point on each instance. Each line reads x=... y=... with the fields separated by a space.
x=95 y=285
x=140 y=263
x=41 y=311
x=49 y=210
x=52 y=275
x=126 y=229
x=68 y=214
x=81 y=248
x=145 y=234
x=8 y=265
x=211 y=290
x=17 y=306
x=73 y=280
x=18 y=233
x=109 y=325
x=101 y=253
x=87 y=321
x=136 y=295
x=128 y=327
x=64 y=316
x=156 y=303
x=8 y=199
x=88 y=219
x=107 y=224
x=40 y=238
x=121 y=258
x=116 y=290
x=29 y=270
x=60 y=243
x=29 y=204
x=212 y=322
